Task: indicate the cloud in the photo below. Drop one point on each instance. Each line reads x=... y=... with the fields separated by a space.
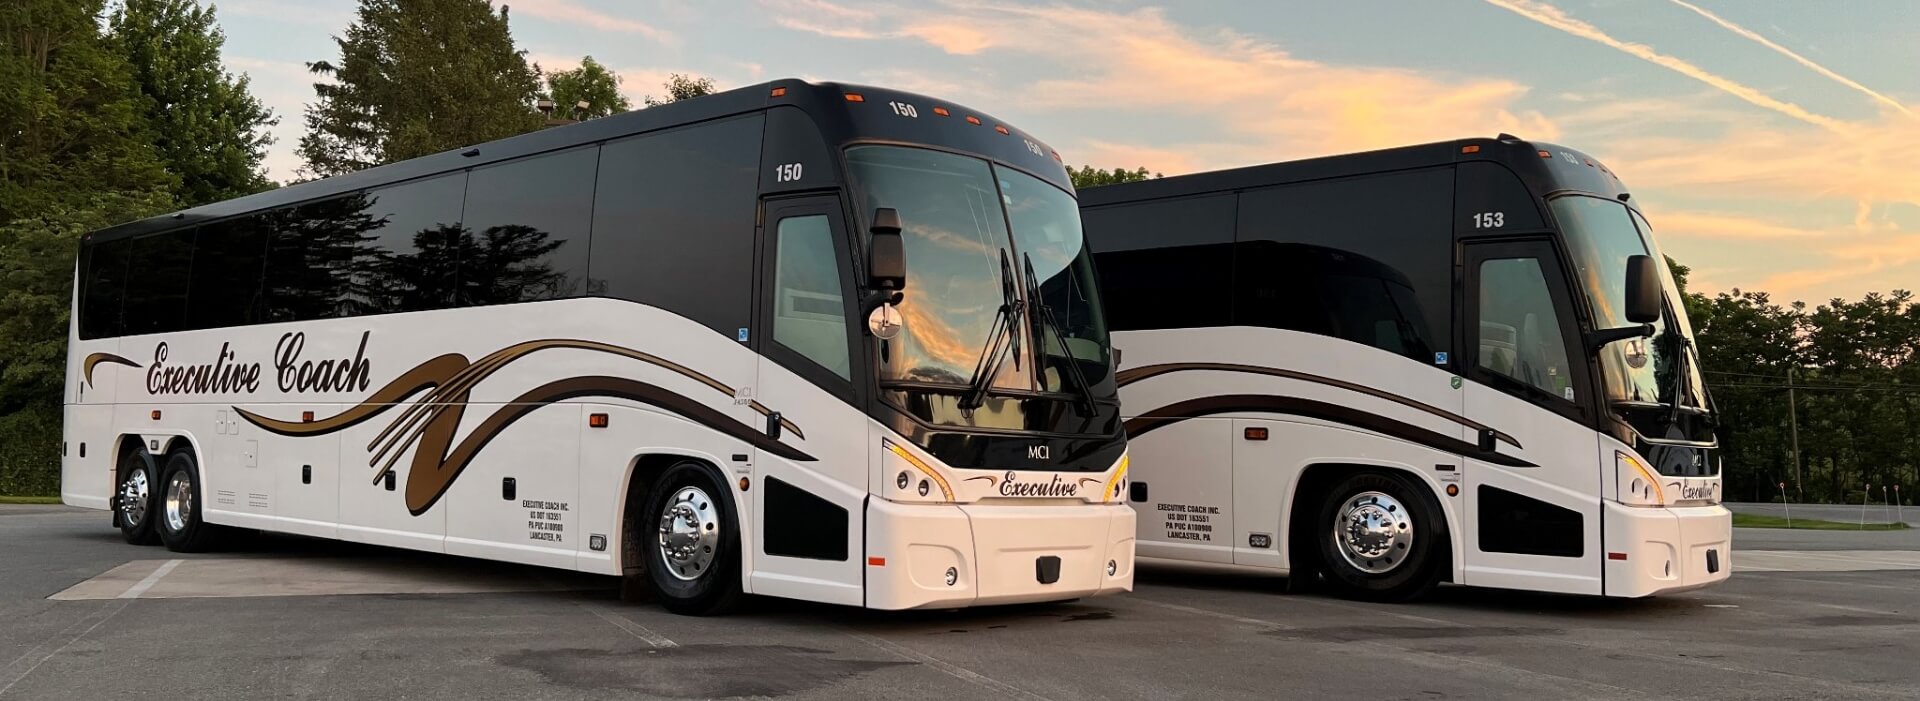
x=332 y=16
x=1789 y=53
x=1261 y=103
x=571 y=12
x=284 y=87
x=1552 y=17
x=1734 y=227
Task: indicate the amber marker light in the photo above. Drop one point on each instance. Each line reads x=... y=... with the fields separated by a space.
x=855 y=97
x=876 y=562
x=1256 y=433
x=942 y=111
x=973 y=120
x=1003 y=130
x=597 y=420
x=1474 y=148
x=1544 y=154
x=155 y=414
x=306 y=417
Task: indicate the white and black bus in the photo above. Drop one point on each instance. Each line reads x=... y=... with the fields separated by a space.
x=818 y=341
x=1461 y=361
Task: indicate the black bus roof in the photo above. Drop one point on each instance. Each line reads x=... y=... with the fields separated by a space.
x=994 y=139
x=1545 y=168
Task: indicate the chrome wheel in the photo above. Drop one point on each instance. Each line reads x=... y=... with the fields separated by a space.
x=689 y=533
x=134 y=497
x=179 y=506
x=1373 y=532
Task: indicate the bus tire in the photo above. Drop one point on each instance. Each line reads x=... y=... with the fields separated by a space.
x=136 y=498
x=181 y=506
x=1380 y=538
x=693 y=550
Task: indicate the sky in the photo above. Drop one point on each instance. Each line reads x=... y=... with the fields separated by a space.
x=1773 y=144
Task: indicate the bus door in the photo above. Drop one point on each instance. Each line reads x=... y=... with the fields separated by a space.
x=1532 y=502
x=810 y=488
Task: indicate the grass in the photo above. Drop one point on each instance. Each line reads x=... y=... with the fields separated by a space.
x=29 y=500
x=1758 y=521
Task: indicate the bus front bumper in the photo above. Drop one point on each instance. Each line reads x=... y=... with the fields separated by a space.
x=1653 y=551
x=949 y=556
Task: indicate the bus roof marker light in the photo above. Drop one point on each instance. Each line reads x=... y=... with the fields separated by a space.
x=1545 y=154
x=1002 y=129
x=1470 y=148
x=942 y=111
x=973 y=120
x=855 y=97
x=779 y=92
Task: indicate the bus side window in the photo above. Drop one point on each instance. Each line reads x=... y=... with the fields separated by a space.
x=809 y=315
x=1519 y=330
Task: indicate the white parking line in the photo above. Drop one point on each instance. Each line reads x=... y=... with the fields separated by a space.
x=143 y=585
x=644 y=633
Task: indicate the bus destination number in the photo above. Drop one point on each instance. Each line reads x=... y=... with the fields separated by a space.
x=905 y=110
x=786 y=173
x=1489 y=220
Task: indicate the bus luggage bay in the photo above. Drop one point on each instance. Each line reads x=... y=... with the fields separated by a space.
x=1463 y=361
x=818 y=341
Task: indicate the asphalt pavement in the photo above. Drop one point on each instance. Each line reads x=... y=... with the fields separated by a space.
x=83 y=615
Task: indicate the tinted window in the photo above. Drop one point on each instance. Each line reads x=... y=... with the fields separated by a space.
x=1519 y=330
x=1365 y=259
x=313 y=255
x=157 y=297
x=673 y=221
x=228 y=260
x=104 y=289
x=809 y=314
x=1165 y=264
x=417 y=245
x=524 y=233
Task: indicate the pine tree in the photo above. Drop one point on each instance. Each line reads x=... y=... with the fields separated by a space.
x=417 y=77
x=591 y=83
x=208 y=129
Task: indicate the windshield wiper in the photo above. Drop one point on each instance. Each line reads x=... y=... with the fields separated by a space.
x=1006 y=328
x=1044 y=313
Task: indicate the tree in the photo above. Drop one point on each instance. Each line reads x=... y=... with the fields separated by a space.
x=591 y=83
x=681 y=87
x=417 y=77
x=74 y=156
x=207 y=128
x=1088 y=176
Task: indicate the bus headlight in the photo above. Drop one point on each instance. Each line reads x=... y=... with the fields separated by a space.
x=913 y=479
x=1638 y=485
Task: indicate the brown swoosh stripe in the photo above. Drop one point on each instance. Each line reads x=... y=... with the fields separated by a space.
x=86 y=366
x=1296 y=406
x=1126 y=377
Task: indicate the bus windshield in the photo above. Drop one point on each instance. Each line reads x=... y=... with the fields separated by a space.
x=1638 y=372
x=963 y=262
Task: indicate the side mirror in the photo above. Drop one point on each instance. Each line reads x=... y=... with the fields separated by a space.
x=1643 y=290
x=886 y=254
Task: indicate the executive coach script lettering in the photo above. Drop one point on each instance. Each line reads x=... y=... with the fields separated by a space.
x=292 y=373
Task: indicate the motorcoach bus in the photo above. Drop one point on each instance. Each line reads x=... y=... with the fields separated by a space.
x=1462 y=361
x=818 y=341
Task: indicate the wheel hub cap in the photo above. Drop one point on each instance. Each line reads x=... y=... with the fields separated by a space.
x=134 y=492
x=689 y=533
x=1373 y=532
x=179 y=501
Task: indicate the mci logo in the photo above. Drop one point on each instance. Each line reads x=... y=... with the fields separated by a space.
x=1039 y=452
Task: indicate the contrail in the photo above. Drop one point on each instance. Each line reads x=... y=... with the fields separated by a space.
x=1553 y=17
x=1789 y=53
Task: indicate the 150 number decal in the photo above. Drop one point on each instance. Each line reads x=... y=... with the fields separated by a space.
x=1489 y=220
x=905 y=110
x=786 y=173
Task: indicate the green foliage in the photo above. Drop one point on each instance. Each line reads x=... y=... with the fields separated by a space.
x=207 y=128
x=591 y=83
x=30 y=452
x=681 y=87
x=1759 y=521
x=1088 y=176
x=417 y=77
